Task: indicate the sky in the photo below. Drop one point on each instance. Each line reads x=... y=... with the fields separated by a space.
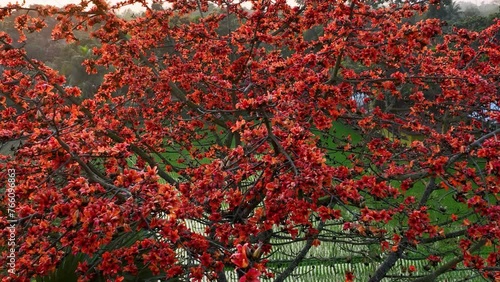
x=44 y=2
x=65 y=2
x=49 y=2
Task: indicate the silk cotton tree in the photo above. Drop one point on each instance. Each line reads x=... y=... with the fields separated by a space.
x=213 y=141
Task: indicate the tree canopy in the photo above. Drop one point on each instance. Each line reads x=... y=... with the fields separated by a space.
x=211 y=139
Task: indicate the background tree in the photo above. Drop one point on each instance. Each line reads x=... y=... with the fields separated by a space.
x=447 y=10
x=239 y=149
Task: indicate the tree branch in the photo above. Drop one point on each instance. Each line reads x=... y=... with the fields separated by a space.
x=300 y=256
x=278 y=148
x=393 y=257
x=452 y=263
x=91 y=173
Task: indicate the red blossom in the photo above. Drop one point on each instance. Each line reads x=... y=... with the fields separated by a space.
x=252 y=275
x=240 y=258
x=204 y=127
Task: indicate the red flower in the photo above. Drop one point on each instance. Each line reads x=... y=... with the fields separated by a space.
x=412 y=269
x=349 y=276
x=240 y=258
x=251 y=276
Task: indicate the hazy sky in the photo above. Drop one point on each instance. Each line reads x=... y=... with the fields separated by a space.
x=65 y=2
x=48 y=2
x=44 y=2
